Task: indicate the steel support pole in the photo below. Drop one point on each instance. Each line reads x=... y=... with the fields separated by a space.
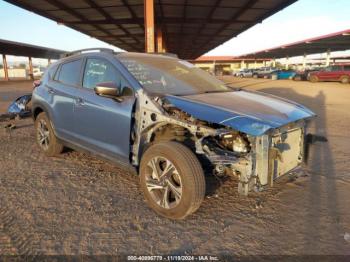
x=6 y=71
x=287 y=62
x=304 y=61
x=49 y=61
x=31 y=75
x=328 y=57
x=274 y=62
x=160 y=40
x=149 y=26
x=242 y=64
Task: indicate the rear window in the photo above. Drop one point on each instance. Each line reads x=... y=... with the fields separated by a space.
x=70 y=72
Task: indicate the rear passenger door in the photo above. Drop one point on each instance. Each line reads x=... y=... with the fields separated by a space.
x=335 y=73
x=62 y=92
x=103 y=124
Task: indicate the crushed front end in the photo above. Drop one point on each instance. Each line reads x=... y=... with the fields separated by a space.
x=241 y=145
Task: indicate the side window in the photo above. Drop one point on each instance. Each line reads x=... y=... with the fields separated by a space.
x=336 y=68
x=99 y=71
x=347 y=68
x=70 y=72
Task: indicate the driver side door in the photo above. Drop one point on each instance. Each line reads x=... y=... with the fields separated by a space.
x=102 y=124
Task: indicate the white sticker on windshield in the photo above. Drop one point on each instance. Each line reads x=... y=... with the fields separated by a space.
x=187 y=64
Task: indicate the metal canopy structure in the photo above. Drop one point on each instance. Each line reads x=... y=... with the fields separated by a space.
x=188 y=28
x=21 y=49
x=339 y=41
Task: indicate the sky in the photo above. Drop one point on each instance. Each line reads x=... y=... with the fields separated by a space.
x=301 y=20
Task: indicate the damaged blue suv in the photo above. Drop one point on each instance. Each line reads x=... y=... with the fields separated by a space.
x=167 y=120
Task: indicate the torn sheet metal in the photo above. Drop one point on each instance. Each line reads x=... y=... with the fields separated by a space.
x=21 y=106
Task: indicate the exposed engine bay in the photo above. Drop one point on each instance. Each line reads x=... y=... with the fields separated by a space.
x=256 y=160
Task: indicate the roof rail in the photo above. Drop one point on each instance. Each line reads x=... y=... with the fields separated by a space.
x=76 y=52
x=165 y=54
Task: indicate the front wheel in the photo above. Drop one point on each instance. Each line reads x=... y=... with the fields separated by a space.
x=172 y=180
x=46 y=137
x=313 y=79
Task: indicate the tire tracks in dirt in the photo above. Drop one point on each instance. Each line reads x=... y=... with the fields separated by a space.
x=15 y=236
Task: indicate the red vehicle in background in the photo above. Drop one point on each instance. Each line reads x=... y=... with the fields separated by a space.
x=339 y=73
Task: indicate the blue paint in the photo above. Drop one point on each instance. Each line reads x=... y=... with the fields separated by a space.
x=252 y=113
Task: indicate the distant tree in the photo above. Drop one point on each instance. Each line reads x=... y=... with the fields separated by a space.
x=1 y=66
x=22 y=65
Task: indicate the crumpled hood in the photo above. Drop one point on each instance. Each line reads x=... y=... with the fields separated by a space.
x=252 y=113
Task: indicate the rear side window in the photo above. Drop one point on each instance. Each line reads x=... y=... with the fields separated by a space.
x=70 y=73
x=336 y=68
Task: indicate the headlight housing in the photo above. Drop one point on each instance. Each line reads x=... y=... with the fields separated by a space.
x=235 y=142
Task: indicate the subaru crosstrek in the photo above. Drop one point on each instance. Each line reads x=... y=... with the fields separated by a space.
x=168 y=121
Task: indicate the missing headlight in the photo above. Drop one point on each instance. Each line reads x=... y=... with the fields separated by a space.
x=235 y=142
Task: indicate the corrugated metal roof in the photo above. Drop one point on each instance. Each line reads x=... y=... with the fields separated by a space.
x=190 y=27
x=338 y=41
x=21 y=49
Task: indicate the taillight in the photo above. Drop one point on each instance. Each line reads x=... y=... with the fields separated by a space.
x=36 y=83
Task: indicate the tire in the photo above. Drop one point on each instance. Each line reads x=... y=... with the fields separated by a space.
x=344 y=79
x=45 y=136
x=313 y=79
x=186 y=176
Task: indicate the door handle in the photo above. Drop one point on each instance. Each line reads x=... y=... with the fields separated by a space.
x=50 y=90
x=79 y=101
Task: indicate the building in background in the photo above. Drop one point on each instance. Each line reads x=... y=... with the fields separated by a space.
x=226 y=65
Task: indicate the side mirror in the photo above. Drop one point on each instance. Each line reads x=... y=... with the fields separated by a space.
x=107 y=89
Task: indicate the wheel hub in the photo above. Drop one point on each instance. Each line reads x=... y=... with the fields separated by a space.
x=43 y=135
x=163 y=182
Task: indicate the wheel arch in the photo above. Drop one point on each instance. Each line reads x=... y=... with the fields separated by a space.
x=165 y=131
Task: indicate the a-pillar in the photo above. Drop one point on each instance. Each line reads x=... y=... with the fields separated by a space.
x=31 y=74
x=328 y=57
x=149 y=26
x=6 y=70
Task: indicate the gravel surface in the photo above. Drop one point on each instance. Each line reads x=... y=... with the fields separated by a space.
x=78 y=204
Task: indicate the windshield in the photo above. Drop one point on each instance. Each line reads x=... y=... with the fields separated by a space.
x=166 y=75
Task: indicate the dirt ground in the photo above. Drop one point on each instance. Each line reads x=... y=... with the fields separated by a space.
x=78 y=204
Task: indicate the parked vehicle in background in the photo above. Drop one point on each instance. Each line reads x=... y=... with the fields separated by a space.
x=337 y=73
x=169 y=121
x=245 y=72
x=282 y=74
x=263 y=72
x=304 y=75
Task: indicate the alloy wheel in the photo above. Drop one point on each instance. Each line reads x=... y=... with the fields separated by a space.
x=43 y=135
x=163 y=182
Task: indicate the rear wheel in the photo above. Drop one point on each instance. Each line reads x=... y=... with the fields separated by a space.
x=313 y=79
x=344 y=79
x=172 y=180
x=45 y=136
